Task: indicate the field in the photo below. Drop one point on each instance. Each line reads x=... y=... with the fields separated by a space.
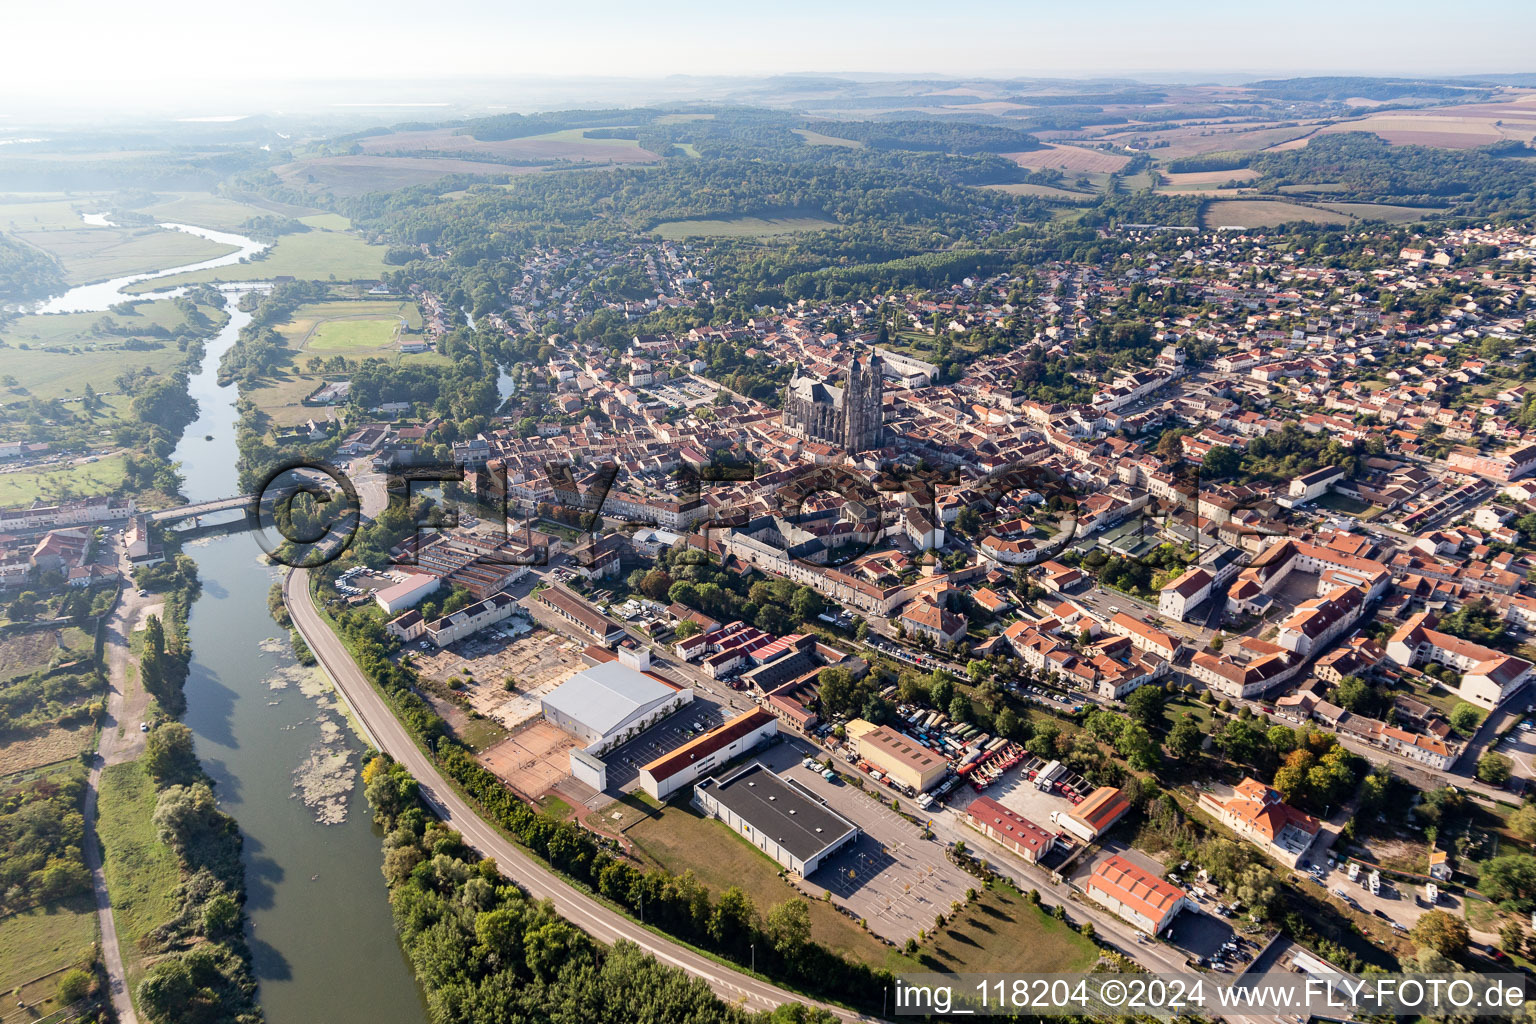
x=24 y=653
x=1209 y=177
x=83 y=354
x=677 y=838
x=105 y=476
x=281 y=399
x=205 y=211
x=1070 y=158
x=742 y=227
x=60 y=743
x=818 y=139
x=312 y=256
x=356 y=329
x=1002 y=932
x=1449 y=127
x=570 y=144
x=33 y=214
x=44 y=939
x=142 y=873
x=97 y=254
x=1383 y=211
x=1265 y=213
x=346 y=176
x=1042 y=191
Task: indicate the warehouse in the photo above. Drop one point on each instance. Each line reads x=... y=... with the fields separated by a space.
x=672 y=771
x=778 y=817
x=906 y=761
x=606 y=704
x=1136 y=894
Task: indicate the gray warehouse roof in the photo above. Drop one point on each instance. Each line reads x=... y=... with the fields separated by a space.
x=785 y=813
x=605 y=696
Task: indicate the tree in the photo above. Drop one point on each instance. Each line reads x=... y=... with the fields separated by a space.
x=220 y=915
x=734 y=920
x=789 y=927
x=1494 y=768
x=1353 y=693
x=1145 y=703
x=960 y=708
x=806 y=604
x=1443 y=933
x=1511 y=880
x=1137 y=747
x=74 y=984
x=655 y=585
x=1221 y=461
x=1185 y=738
x=1523 y=822
x=835 y=688
x=1465 y=718
x=1512 y=938
x=169 y=756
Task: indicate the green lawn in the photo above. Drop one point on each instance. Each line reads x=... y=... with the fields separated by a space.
x=353 y=337
x=327 y=221
x=97 y=254
x=312 y=256
x=43 y=939
x=142 y=873
x=281 y=399
x=743 y=227
x=676 y=837
x=105 y=476
x=1002 y=932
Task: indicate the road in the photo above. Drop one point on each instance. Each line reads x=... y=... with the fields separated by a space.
x=120 y=741
x=539 y=881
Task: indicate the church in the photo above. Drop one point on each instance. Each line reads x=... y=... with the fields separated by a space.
x=850 y=417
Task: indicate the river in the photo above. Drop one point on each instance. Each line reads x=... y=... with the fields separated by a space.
x=273 y=737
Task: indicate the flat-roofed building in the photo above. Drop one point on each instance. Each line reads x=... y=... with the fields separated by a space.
x=672 y=771
x=409 y=591
x=1010 y=830
x=905 y=760
x=786 y=822
x=1136 y=894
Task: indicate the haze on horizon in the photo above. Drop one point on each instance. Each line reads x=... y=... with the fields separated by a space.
x=77 y=51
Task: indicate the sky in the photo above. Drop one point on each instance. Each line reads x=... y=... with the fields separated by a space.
x=70 y=48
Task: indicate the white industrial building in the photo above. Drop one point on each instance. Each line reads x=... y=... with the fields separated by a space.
x=606 y=704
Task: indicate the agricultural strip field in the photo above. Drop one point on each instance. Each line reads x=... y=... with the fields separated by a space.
x=346 y=176
x=742 y=227
x=142 y=874
x=1070 y=158
x=1444 y=128
x=1264 y=213
x=105 y=476
x=1042 y=191
x=311 y=256
x=97 y=254
x=678 y=838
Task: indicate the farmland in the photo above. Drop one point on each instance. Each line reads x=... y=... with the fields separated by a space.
x=281 y=398
x=1070 y=159
x=24 y=653
x=743 y=227
x=813 y=138
x=34 y=214
x=97 y=254
x=1042 y=191
x=345 y=176
x=315 y=255
x=1265 y=213
x=1449 y=127
x=205 y=211
x=41 y=940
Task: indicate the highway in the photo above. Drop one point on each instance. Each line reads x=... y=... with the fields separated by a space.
x=538 y=880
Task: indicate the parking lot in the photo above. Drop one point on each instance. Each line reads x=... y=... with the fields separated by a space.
x=1017 y=792
x=890 y=876
x=624 y=762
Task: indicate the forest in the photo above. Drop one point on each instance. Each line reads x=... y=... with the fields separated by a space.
x=27 y=273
